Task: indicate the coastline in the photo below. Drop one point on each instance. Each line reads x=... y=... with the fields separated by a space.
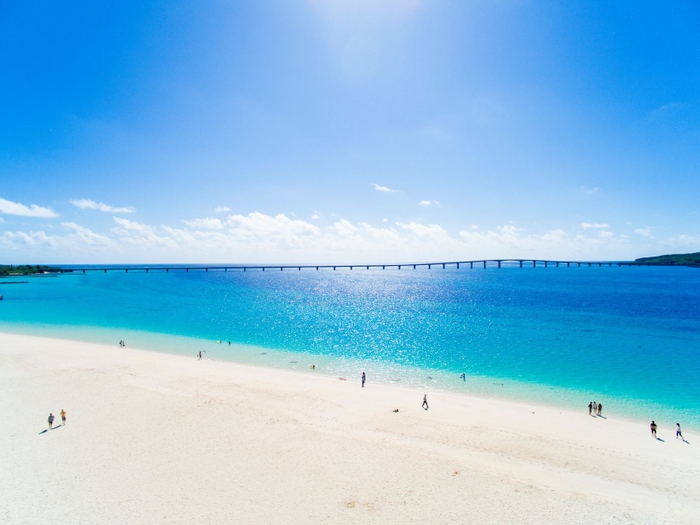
x=215 y=441
x=622 y=407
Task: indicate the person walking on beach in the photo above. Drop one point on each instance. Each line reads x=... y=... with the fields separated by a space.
x=50 y=421
x=63 y=417
x=200 y=355
x=590 y=408
x=600 y=408
x=364 y=378
x=463 y=377
x=425 y=401
x=679 y=434
x=653 y=428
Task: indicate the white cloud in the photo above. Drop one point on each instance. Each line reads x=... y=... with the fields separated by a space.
x=667 y=110
x=428 y=203
x=221 y=209
x=258 y=225
x=432 y=231
x=85 y=235
x=475 y=227
x=644 y=232
x=87 y=204
x=14 y=239
x=343 y=228
x=384 y=188
x=258 y=237
x=15 y=208
x=315 y=216
x=596 y=225
x=590 y=191
x=137 y=234
x=206 y=223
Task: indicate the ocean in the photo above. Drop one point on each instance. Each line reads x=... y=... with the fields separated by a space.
x=628 y=337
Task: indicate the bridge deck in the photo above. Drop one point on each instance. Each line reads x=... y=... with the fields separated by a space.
x=478 y=263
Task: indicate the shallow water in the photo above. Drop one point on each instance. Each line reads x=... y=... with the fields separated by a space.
x=628 y=337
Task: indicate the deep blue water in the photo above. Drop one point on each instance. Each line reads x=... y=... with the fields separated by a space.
x=630 y=336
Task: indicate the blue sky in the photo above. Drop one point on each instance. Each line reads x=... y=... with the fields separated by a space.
x=343 y=131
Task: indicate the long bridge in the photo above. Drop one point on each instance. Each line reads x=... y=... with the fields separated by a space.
x=480 y=263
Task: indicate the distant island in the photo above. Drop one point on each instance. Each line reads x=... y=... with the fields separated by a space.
x=677 y=259
x=9 y=270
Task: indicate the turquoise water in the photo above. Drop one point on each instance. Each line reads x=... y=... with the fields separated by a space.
x=627 y=337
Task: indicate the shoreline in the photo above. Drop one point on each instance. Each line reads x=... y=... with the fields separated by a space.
x=481 y=386
x=162 y=438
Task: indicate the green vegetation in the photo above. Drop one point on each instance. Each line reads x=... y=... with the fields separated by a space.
x=25 y=269
x=678 y=259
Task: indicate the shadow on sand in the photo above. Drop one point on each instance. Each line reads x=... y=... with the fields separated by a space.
x=47 y=429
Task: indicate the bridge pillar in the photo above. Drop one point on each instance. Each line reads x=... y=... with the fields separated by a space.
x=429 y=266
x=399 y=266
x=458 y=266
x=317 y=268
x=521 y=264
x=187 y=270
x=499 y=264
x=351 y=267
x=579 y=265
x=368 y=267
x=383 y=267
x=244 y=268
x=263 y=268
x=299 y=268
x=534 y=263
x=484 y=264
x=443 y=266
x=146 y=270
x=125 y=270
x=105 y=271
x=414 y=266
x=589 y=265
x=281 y=268
x=471 y=265
x=545 y=264
x=568 y=264
x=557 y=264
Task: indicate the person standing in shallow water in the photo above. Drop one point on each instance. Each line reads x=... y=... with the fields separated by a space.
x=590 y=408
x=653 y=428
x=364 y=378
x=425 y=401
x=600 y=408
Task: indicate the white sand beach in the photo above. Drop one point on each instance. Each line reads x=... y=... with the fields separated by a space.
x=165 y=439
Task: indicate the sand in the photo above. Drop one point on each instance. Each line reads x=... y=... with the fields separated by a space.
x=158 y=438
